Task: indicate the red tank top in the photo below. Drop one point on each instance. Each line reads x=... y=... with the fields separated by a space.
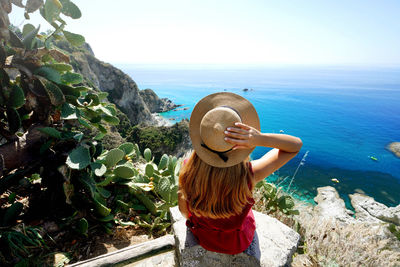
x=229 y=235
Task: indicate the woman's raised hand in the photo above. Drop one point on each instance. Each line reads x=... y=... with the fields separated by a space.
x=242 y=136
x=285 y=146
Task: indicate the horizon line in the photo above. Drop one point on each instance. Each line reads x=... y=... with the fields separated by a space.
x=278 y=65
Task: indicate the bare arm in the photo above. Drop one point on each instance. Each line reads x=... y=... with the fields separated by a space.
x=270 y=162
x=285 y=147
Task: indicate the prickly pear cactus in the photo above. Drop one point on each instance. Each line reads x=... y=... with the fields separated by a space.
x=147 y=154
x=163 y=162
x=275 y=201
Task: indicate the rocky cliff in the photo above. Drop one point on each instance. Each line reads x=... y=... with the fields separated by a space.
x=123 y=91
x=138 y=106
x=156 y=104
x=394 y=147
x=336 y=236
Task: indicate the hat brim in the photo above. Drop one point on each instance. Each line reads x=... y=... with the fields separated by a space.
x=247 y=113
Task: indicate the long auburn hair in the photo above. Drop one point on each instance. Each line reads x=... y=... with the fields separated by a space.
x=215 y=192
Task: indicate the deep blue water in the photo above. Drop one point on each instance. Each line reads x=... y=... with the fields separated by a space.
x=342 y=114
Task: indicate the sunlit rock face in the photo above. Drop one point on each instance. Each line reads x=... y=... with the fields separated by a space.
x=336 y=235
x=331 y=206
x=123 y=91
x=367 y=209
x=394 y=147
x=156 y=104
x=276 y=243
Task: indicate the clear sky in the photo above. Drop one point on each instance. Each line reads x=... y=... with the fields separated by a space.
x=360 y=32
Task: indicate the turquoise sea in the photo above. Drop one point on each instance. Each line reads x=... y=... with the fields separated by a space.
x=344 y=115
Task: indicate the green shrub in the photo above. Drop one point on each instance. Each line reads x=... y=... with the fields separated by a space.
x=159 y=139
x=274 y=200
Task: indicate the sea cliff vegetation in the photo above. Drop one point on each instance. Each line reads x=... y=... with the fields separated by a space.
x=80 y=154
x=170 y=140
x=59 y=185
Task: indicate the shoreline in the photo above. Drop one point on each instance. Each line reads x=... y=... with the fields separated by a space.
x=160 y=120
x=383 y=187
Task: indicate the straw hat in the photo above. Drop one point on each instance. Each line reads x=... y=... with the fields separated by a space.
x=210 y=118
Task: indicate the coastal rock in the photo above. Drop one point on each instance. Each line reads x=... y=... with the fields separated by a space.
x=123 y=91
x=331 y=206
x=334 y=238
x=369 y=210
x=156 y=104
x=277 y=243
x=394 y=147
x=160 y=121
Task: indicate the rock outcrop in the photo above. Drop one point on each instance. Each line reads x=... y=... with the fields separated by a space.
x=394 y=147
x=369 y=210
x=123 y=91
x=156 y=104
x=331 y=206
x=275 y=247
x=335 y=238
